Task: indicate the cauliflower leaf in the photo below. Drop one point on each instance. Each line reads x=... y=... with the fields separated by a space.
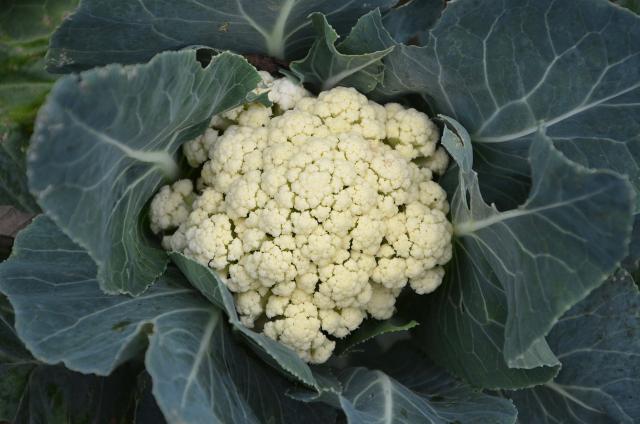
x=515 y=273
x=392 y=389
x=105 y=141
x=199 y=373
x=508 y=76
x=327 y=65
x=123 y=31
x=210 y=285
x=598 y=341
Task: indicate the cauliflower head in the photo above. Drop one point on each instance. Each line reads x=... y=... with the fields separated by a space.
x=316 y=212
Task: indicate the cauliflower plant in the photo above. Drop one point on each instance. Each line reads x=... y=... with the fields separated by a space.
x=314 y=211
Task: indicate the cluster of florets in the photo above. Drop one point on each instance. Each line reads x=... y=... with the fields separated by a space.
x=314 y=211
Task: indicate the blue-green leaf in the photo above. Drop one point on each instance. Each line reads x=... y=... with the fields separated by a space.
x=410 y=19
x=522 y=269
x=210 y=285
x=128 y=32
x=463 y=327
x=106 y=140
x=502 y=70
x=200 y=374
x=33 y=392
x=550 y=252
x=598 y=342
x=326 y=66
x=371 y=329
x=407 y=388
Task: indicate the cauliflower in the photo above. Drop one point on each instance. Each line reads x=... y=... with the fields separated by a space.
x=315 y=212
x=171 y=206
x=411 y=132
x=197 y=150
x=282 y=92
x=285 y=93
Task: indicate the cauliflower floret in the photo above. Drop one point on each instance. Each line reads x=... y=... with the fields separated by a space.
x=345 y=284
x=219 y=123
x=438 y=162
x=175 y=242
x=171 y=206
x=276 y=305
x=256 y=115
x=267 y=79
x=295 y=127
x=391 y=273
x=197 y=150
x=365 y=240
x=207 y=243
x=434 y=196
x=240 y=280
x=236 y=152
x=382 y=302
x=209 y=201
x=430 y=234
x=411 y=132
x=242 y=195
x=341 y=323
x=300 y=330
x=271 y=265
x=429 y=281
x=316 y=213
x=345 y=110
x=285 y=93
x=249 y=306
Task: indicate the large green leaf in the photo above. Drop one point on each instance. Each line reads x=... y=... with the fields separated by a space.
x=200 y=374
x=407 y=388
x=326 y=66
x=502 y=70
x=468 y=336
x=370 y=329
x=525 y=267
x=507 y=70
x=33 y=392
x=106 y=140
x=412 y=18
x=127 y=32
x=598 y=341
x=210 y=285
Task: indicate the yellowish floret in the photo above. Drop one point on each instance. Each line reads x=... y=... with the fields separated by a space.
x=171 y=206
